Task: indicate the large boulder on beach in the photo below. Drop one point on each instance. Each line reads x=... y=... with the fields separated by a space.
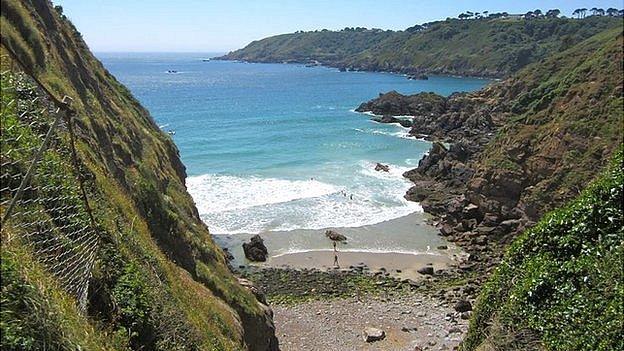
x=255 y=250
x=373 y=334
x=335 y=236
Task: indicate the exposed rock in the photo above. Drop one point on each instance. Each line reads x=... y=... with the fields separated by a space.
x=373 y=334
x=334 y=235
x=255 y=250
x=463 y=306
x=418 y=77
x=395 y=104
x=427 y=270
x=253 y=288
x=228 y=254
x=381 y=167
x=389 y=119
x=466 y=315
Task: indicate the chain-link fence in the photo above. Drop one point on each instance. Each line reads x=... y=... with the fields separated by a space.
x=42 y=198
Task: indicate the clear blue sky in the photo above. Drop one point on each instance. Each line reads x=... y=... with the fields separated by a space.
x=216 y=26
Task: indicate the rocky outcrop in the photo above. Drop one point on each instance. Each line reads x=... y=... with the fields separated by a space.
x=389 y=119
x=503 y=156
x=396 y=104
x=255 y=250
x=379 y=167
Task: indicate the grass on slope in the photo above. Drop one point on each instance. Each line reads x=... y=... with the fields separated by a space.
x=160 y=282
x=561 y=284
x=486 y=47
x=565 y=120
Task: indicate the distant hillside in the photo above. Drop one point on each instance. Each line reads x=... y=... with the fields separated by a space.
x=478 y=47
x=159 y=281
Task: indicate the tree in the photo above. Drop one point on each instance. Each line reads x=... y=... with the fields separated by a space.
x=537 y=13
x=583 y=12
x=612 y=11
x=593 y=10
x=577 y=12
x=600 y=12
x=529 y=15
x=462 y=16
x=554 y=13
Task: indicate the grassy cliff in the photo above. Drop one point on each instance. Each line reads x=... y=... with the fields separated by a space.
x=560 y=286
x=160 y=282
x=481 y=47
x=562 y=120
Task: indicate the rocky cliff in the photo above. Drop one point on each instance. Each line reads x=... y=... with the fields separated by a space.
x=159 y=282
x=518 y=148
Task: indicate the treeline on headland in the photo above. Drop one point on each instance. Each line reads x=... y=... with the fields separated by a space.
x=478 y=44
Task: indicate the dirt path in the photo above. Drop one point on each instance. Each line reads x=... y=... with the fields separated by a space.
x=410 y=321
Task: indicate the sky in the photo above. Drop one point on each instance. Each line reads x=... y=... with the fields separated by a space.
x=221 y=26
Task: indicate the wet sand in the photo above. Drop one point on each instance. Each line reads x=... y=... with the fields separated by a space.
x=406 y=243
x=400 y=265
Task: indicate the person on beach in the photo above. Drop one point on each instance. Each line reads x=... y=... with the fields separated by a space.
x=336 y=256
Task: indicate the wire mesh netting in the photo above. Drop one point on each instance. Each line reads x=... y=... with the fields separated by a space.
x=40 y=195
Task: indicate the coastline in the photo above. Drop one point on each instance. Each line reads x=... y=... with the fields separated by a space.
x=406 y=74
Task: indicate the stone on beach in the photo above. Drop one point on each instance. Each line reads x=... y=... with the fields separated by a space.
x=373 y=334
x=427 y=270
x=255 y=250
x=463 y=306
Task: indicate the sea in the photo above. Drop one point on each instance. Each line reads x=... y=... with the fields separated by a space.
x=277 y=149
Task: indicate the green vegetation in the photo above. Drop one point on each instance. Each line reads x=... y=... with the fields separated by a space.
x=486 y=46
x=560 y=285
x=564 y=120
x=159 y=281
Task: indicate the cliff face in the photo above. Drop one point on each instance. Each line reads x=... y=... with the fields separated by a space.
x=559 y=286
x=520 y=147
x=492 y=47
x=152 y=237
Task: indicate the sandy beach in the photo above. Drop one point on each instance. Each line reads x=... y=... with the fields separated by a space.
x=399 y=246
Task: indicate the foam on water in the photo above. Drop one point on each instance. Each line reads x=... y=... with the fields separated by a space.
x=252 y=136
x=231 y=204
x=220 y=193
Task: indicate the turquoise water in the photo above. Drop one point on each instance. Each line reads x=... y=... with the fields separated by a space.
x=273 y=147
